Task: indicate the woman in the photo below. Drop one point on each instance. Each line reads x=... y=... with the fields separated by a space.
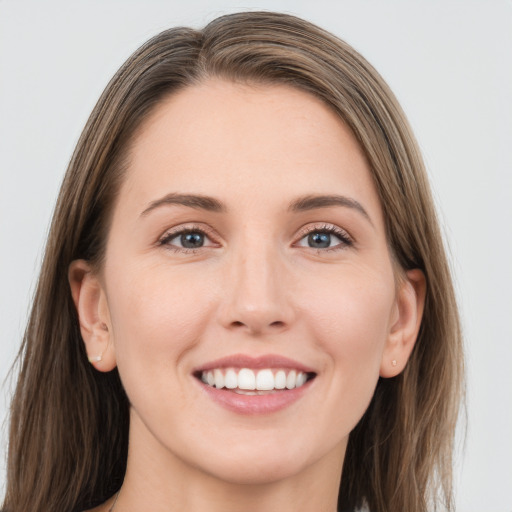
x=245 y=302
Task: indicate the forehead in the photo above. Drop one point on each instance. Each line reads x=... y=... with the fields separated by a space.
x=256 y=141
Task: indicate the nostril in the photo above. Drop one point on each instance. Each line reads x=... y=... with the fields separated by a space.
x=258 y=325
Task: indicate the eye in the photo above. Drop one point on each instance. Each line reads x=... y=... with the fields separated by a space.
x=190 y=240
x=325 y=237
x=186 y=239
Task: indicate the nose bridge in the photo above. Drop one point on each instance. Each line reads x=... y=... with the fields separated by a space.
x=256 y=298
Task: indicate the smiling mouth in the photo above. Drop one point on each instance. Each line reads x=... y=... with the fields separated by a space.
x=246 y=381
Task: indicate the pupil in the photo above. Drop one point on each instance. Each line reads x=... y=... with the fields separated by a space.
x=192 y=240
x=319 y=240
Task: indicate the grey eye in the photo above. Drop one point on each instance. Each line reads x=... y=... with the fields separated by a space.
x=328 y=237
x=319 y=240
x=191 y=240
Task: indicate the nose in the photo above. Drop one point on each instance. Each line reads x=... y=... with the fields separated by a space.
x=257 y=293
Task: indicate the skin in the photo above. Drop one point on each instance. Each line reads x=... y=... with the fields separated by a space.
x=256 y=287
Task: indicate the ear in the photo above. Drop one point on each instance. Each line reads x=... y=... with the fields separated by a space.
x=405 y=323
x=93 y=315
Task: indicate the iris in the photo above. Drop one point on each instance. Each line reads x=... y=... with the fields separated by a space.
x=319 y=240
x=192 y=240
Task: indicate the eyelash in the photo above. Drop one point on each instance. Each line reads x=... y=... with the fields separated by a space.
x=346 y=240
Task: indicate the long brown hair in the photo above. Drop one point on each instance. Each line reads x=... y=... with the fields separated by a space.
x=69 y=423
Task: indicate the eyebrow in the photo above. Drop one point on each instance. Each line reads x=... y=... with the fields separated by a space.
x=301 y=204
x=191 y=200
x=313 y=202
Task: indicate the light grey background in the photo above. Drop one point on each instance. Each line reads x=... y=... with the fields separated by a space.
x=450 y=64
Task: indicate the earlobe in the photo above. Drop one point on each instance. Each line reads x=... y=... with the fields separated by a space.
x=406 y=324
x=93 y=315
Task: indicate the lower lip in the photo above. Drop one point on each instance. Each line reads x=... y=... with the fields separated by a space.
x=255 y=404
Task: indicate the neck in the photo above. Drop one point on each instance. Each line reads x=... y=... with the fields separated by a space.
x=157 y=480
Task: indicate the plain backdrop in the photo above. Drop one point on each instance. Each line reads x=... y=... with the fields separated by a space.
x=450 y=65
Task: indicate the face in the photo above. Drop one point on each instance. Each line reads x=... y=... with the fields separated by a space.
x=247 y=248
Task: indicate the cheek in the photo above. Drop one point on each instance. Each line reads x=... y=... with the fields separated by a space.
x=157 y=315
x=351 y=324
x=351 y=311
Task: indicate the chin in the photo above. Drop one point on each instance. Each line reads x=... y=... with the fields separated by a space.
x=259 y=470
x=262 y=461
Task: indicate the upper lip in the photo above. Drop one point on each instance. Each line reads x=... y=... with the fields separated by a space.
x=246 y=361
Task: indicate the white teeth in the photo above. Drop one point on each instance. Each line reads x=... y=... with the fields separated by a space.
x=265 y=380
x=231 y=379
x=219 y=379
x=291 y=380
x=248 y=380
x=280 y=380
